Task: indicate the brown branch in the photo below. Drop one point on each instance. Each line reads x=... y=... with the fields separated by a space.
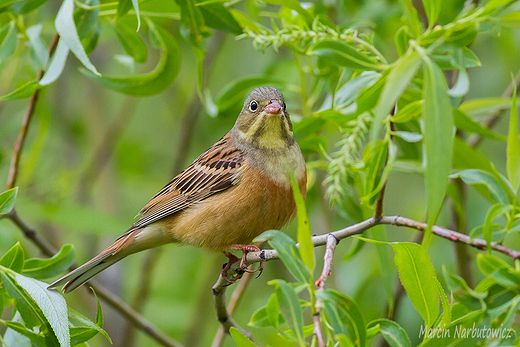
x=18 y=146
x=233 y=304
x=325 y=273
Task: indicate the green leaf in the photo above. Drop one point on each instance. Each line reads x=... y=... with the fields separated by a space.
x=399 y=77
x=464 y=122
x=22 y=92
x=446 y=308
x=131 y=42
x=7 y=200
x=342 y=54
x=455 y=283
x=294 y=5
x=56 y=65
x=418 y=278
x=485 y=105
x=402 y=37
x=392 y=332
x=123 y=7
x=438 y=140
x=410 y=13
x=8 y=41
x=408 y=112
x=513 y=146
x=37 y=339
x=68 y=33
x=494 y=212
x=191 y=16
x=32 y=315
x=49 y=267
x=98 y=326
x=14 y=258
x=218 y=16
x=81 y=334
x=289 y=299
x=52 y=305
x=433 y=9
x=289 y=254
x=498 y=269
x=151 y=83
x=240 y=339
x=492 y=191
x=22 y=6
x=343 y=314
x=304 y=228
x=466 y=157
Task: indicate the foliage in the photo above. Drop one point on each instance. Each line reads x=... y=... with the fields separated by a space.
x=379 y=91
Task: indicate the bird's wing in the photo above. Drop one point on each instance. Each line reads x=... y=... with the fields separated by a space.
x=215 y=170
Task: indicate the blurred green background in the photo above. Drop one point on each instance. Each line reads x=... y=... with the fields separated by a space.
x=94 y=157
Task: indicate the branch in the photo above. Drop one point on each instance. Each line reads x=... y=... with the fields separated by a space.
x=18 y=146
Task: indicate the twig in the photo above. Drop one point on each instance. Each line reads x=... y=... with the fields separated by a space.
x=233 y=304
x=18 y=146
x=111 y=299
x=325 y=272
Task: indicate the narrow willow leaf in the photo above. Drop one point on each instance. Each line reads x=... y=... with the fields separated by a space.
x=81 y=334
x=289 y=299
x=7 y=200
x=418 y=278
x=57 y=64
x=433 y=9
x=240 y=339
x=8 y=44
x=14 y=258
x=135 y=4
x=289 y=254
x=296 y=6
x=513 y=147
x=31 y=314
x=392 y=332
x=408 y=112
x=218 y=16
x=151 y=83
x=19 y=328
x=192 y=18
x=131 y=42
x=49 y=267
x=387 y=272
x=344 y=315
x=22 y=6
x=400 y=75
x=22 y=92
x=304 y=228
x=68 y=33
x=481 y=179
x=37 y=45
x=466 y=123
x=494 y=212
x=402 y=37
x=446 y=308
x=410 y=13
x=461 y=87
x=52 y=305
x=438 y=140
x=466 y=157
x=498 y=269
x=344 y=55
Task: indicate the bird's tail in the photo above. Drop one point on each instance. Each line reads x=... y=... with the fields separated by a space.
x=117 y=251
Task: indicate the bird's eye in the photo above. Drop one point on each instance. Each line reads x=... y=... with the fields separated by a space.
x=253 y=106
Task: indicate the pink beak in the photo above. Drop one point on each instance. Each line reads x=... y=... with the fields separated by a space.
x=273 y=108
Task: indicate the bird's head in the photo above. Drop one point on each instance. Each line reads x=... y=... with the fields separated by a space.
x=264 y=121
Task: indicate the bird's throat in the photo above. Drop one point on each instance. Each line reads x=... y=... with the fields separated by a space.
x=270 y=132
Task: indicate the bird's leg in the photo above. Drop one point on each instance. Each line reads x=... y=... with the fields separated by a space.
x=246 y=249
x=232 y=259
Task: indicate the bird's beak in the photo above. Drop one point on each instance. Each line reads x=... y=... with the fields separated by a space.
x=273 y=107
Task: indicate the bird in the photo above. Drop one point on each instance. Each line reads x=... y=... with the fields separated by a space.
x=236 y=190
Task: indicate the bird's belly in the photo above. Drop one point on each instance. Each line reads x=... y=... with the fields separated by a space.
x=234 y=216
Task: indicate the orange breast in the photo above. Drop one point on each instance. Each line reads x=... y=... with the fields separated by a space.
x=236 y=215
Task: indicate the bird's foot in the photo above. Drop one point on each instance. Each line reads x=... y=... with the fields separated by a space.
x=247 y=249
x=232 y=259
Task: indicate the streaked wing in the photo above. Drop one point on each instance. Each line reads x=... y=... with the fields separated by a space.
x=215 y=170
